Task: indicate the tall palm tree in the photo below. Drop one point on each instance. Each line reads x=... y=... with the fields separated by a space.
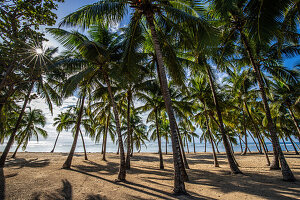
x=32 y=122
x=100 y=54
x=154 y=105
x=35 y=70
x=114 y=11
x=256 y=24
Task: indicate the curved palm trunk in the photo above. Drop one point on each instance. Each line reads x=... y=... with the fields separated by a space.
x=245 y=132
x=286 y=149
x=161 y=161
x=241 y=144
x=216 y=163
x=12 y=136
x=278 y=154
x=216 y=146
x=246 y=145
x=179 y=186
x=68 y=162
x=294 y=120
x=257 y=134
x=83 y=144
x=231 y=146
x=105 y=135
x=128 y=131
x=258 y=150
x=186 y=164
x=122 y=169
x=296 y=152
x=233 y=166
x=194 y=144
x=15 y=153
x=55 y=142
x=187 y=145
x=166 y=146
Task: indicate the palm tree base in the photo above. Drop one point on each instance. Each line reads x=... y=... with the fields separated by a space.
x=291 y=179
x=178 y=193
x=120 y=180
x=272 y=167
x=65 y=166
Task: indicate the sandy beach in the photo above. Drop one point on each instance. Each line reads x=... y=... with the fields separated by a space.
x=39 y=176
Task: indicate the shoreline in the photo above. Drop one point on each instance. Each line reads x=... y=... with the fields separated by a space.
x=39 y=176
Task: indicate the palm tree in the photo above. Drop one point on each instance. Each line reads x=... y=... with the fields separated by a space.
x=240 y=84
x=35 y=69
x=199 y=90
x=257 y=24
x=63 y=121
x=100 y=55
x=154 y=105
x=30 y=128
x=114 y=11
x=67 y=163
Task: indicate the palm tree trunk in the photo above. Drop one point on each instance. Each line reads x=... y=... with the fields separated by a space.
x=128 y=130
x=161 y=161
x=255 y=142
x=246 y=145
x=296 y=152
x=83 y=144
x=15 y=153
x=241 y=144
x=183 y=160
x=103 y=139
x=233 y=166
x=12 y=136
x=245 y=132
x=294 y=120
x=166 y=145
x=105 y=135
x=183 y=157
x=194 y=144
x=231 y=146
x=216 y=146
x=216 y=163
x=257 y=134
x=68 y=162
x=204 y=144
x=265 y=144
x=284 y=145
x=187 y=145
x=122 y=169
x=179 y=186
x=295 y=144
x=55 y=142
x=278 y=154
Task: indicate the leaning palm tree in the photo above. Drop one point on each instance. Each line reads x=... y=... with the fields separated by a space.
x=62 y=122
x=32 y=124
x=256 y=25
x=35 y=71
x=101 y=56
x=171 y=12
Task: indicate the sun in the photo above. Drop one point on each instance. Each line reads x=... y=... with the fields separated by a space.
x=39 y=51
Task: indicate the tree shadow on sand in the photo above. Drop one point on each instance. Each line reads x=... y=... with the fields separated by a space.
x=22 y=162
x=64 y=193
